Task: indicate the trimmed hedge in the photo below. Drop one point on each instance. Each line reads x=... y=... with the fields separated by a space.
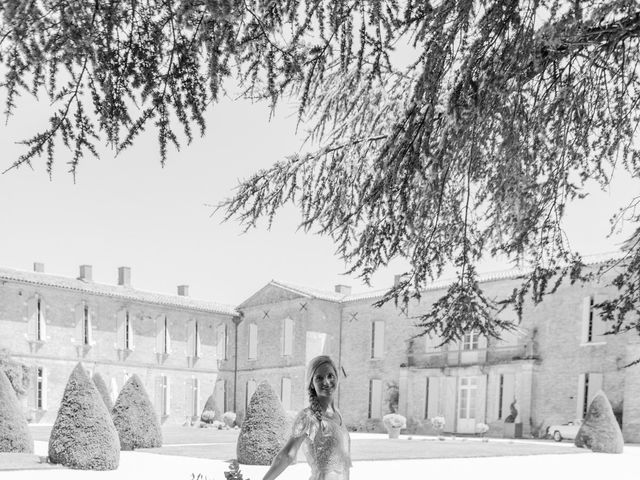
x=14 y=431
x=265 y=428
x=100 y=384
x=134 y=417
x=17 y=373
x=83 y=435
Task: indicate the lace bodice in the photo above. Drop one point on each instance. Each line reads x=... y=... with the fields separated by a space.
x=326 y=445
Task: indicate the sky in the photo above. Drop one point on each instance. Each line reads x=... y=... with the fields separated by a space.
x=129 y=211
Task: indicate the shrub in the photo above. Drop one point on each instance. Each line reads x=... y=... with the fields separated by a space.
x=264 y=429
x=438 y=424
x=210 y=406
x=134 y=417
x=229 y=418
x=208 y=416
x=234 y=472
x=104 y=391
x=14 y=431
x=17 y=373
x=394 y=420
x=83 y=435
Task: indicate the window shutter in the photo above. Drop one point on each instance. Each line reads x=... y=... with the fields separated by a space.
x=599 y=326
x=44 y=388
x=32 y=313
x=595 y=385
x=160 y=334
x=78 y=315
x=493 y=387
x=586 y=313
x=287 y=336
x=253 y=341
x=434 y=396
x=196 y=396
x=481 y=399
x=130 y=326
x=167 y=333
x=158 y=395
x=580 y=396
x=450 y=394
x=167 y=396
x=90 y=322
x=196 y=334
x=188 y=387
x=120 y=326
x=285 y=393
x=376 y=398
x=41 y=326
x=378 y=339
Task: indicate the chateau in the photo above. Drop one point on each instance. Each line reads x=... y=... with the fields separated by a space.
x=185 y=350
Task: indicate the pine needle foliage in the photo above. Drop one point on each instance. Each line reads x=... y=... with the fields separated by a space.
x=14 y=431
x=83 y=435
x=265 y=428
x=444 y=131
x=135 y=420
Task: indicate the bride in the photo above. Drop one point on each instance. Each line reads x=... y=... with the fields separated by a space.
x=319 y=427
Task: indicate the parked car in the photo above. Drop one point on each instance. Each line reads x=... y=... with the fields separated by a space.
x=566 y=431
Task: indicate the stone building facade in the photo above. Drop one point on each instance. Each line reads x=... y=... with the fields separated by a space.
x=172 y=342
x=547 y=371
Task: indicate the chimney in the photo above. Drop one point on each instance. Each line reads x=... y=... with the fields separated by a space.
x=183 y=290
x=38 y=267
x=124 y=276
x=399 y=278
x=343 y=289
x=86 y=273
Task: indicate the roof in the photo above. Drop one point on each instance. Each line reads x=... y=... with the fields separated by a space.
x=115 y=291
x=590 y=260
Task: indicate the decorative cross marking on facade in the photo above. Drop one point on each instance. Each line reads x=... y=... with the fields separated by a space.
x=266 y=314
x=404 y=309
x=354 y=316
x=303 y=307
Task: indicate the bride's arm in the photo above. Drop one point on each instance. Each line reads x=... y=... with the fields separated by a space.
x=284 y=458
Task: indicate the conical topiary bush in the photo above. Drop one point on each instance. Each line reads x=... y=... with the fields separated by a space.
x=134 y=417
x=83 y=435
x=14 y=432
x=210 y=406
x=264 y=429
x=600 y=431
x=104 y=391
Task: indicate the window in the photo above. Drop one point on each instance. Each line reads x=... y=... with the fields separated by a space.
x=221 y=345
x=193 y=396
x=163 y=337
x=124 y=330
x=84 y=328
x=287 y=336
x=375 y=398
x=253 y=341
x=250 y=390
x=377 y=339
x=500 y=396
x=41 y=388
x=128 y=332
x=470 y=341
x=164 y=395
x=221 y=394
x=285 y=393
x=40 y=327
x=467 y=399
x=588 y=385
x=426 y=400
x=36 y=319
x=193 y=339
x=593 y=328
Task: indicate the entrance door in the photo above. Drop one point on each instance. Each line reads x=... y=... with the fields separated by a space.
x=467 y=395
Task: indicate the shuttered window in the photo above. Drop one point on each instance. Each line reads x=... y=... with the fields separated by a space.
x=41 y=388
x=287 y=336
x=375 y=398
x=253 y=341
x=377 y=339
x=163 y=336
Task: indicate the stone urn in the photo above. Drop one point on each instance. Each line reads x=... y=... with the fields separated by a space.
x=394 y=432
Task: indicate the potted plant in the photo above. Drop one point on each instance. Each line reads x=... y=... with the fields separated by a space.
x=438 y=424
x=512 y=429
x=482 y=429
x=394 y=422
